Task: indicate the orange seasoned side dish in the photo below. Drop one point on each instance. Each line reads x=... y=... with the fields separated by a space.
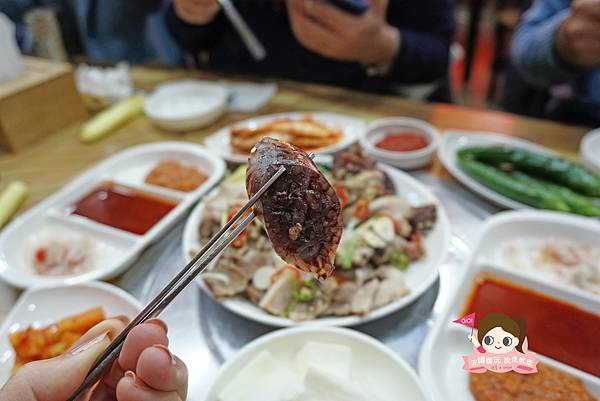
x=174 y=175
x=53 y=340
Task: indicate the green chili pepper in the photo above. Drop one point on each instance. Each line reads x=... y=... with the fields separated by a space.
x=578 y=203
x=553 y=168
x=399 y=260
x=509 y=186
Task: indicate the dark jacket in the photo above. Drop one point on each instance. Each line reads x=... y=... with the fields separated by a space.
x=426 y=25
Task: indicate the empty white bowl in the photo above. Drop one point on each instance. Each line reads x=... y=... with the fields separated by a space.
x=371 y=360
x=378 y=129
x=590 y=149
x=186 y=105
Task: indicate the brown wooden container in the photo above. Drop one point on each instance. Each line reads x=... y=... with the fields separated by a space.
x=41 y=101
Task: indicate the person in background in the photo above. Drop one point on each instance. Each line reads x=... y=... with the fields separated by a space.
x=105 y=30
x=395 y=42
x=557 y=48
x=145 y=371
x=132 y=30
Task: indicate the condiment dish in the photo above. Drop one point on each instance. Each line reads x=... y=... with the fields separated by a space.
x=379 y=129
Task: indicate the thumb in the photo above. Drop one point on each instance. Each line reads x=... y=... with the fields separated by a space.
x=57 y=378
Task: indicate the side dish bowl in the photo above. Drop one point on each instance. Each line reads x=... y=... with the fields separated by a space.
x=378 y=129
x=371 y=360
x=186 y=105
x=41 y=306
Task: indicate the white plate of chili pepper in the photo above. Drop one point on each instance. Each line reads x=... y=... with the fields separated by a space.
x=517 y=174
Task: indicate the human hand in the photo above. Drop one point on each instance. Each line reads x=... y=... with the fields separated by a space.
x=145 y=370
x=196 y=12
x=578 y=37
x=333 y=33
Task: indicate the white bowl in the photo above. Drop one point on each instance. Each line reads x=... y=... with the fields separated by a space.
x=377 y=129
x=186 y=105
x=371 y=359
x=590 y=149
x=42 y=306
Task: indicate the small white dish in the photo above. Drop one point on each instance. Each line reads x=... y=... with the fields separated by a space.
x=447 y=341
x=371 y=360
x=118 y=248
x=590 y=149
x=454 y=140
x=378 y=129
x=219 y=142
x=186 y=105
x=419 y=276
x=42 y=306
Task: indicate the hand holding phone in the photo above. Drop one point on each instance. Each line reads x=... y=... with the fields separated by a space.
x=340 y=35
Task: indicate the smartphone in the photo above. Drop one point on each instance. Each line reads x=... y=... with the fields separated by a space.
x=351 y=6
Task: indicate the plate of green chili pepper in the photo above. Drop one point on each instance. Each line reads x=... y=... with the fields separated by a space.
x=518 y=174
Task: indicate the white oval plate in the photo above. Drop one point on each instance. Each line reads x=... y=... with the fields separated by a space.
x=42 y=306
x=447 y=341
x=419 y=276
x=453 y=140
x=120 y=248
x=590 y=149
x=371 y=359
x=351 y=128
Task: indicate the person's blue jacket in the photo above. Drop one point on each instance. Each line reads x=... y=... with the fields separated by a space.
x=426 y=26
x=131 y=30
x=534 y=56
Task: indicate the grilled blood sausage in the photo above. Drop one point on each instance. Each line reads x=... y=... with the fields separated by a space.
x=301 y=211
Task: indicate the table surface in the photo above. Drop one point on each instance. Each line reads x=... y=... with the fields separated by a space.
x=202 y=332
x=50 y=163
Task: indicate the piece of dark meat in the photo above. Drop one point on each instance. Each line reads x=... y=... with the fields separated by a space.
x=301 y=211
x=422 y=219
x=353 y=160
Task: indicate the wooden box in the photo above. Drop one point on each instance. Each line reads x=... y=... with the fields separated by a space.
x=41 y=101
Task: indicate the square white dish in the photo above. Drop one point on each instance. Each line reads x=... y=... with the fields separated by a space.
x=39 y=307
x=440 y=361
x=127 y=168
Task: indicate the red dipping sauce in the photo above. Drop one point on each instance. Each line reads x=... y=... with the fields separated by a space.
x=123 y=208
x=555 y=329
x=403 y=141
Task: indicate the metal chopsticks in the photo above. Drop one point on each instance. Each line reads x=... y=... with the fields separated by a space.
x=252 y=43
x=196 y=266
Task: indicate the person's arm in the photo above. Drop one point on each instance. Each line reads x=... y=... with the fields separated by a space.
x=424 y=54
x=192 y=37
x=533 y=51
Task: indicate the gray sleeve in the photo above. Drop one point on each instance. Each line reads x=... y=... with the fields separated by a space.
x=533 y=52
